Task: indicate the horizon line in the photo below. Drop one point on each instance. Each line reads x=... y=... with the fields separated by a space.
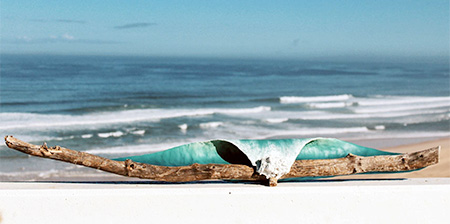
x=441 y=59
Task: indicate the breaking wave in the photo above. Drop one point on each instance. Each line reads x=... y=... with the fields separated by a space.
x=276 y=120
x=396 y=100
x=211 y=124
x=403 y=107
x=331 y=105
x=27 y=120
x=306 y=99
x=115 y=134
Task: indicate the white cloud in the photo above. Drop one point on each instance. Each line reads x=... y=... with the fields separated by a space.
x=52 y=38
x=64 y=38
x=134 y=25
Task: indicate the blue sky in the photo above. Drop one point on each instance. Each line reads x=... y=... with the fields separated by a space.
x=278 y=29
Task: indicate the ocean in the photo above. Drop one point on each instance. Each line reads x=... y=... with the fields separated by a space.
x=116 y=106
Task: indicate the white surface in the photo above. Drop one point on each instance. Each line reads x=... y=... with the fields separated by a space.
x=388 y=201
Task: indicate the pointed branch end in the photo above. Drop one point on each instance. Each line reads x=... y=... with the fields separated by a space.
x=435 y=153
x=9 y=139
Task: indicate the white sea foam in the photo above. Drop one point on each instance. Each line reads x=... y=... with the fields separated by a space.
x=380 y=127
x=390 y=103
x=425 y=115
x=138 y=132
x=87 y=136
x=243 y=110
x=396 y=100
x=276 y=120
x=322 y=115
x=33 y=120
x=110 y=134
x=304 y=99
x=402 y=107
x=330 y=105
x=211 y=124
x=64 y=138
x=183 y=127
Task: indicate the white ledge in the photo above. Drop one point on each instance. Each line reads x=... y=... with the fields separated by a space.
x=333 y=201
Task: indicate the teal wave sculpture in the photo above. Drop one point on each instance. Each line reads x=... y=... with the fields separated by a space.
x=272 y=158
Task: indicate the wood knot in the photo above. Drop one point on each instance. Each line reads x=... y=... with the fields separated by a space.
x=129 y=166
x=44 y=150
x=56 y=149
x=211 y=168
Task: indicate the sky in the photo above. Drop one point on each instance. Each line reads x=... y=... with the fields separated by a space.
x=269 y=29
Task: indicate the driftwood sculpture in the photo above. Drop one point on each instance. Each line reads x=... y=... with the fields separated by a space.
x=240 y=168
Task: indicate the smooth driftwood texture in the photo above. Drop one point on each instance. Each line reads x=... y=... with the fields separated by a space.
x=350 y=164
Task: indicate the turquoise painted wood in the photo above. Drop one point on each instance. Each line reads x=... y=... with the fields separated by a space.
x=272 y=158
x=249 y=151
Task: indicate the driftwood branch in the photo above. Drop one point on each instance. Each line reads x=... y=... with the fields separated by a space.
x=350 y=164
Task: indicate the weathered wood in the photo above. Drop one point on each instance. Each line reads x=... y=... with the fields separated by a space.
x=134 y=169
x=350 y=164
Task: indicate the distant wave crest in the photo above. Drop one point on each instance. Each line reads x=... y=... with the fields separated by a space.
x=29 y=120
x=306 y=99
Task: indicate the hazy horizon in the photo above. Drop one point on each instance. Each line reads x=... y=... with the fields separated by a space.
x=330 y=59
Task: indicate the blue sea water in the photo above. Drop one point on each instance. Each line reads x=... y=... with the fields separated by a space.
x=120 y=106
